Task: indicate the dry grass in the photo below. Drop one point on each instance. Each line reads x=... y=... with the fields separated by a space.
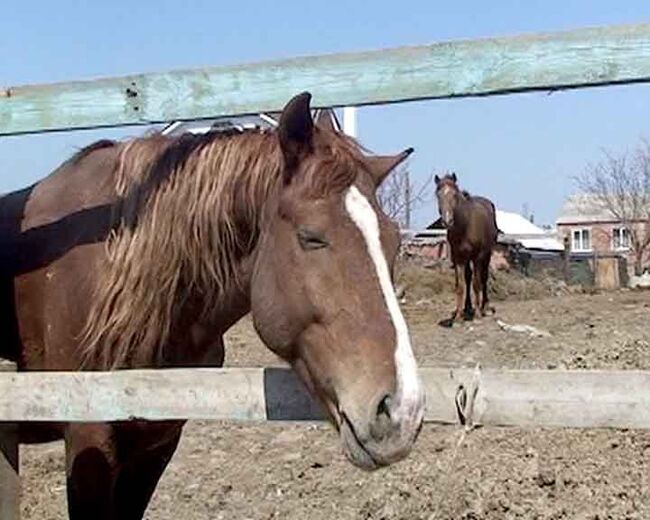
x=515 y=286
x=423 y=282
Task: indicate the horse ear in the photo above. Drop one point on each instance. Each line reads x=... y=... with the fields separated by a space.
x=436 y=179
x=453 y=177
x=326 y=119
x=296 y=130
x=381 y=165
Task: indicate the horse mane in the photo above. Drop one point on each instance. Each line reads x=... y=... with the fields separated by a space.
x=190 y=207
x=87 y=150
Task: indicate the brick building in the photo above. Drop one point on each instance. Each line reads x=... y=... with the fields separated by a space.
x=591 y=229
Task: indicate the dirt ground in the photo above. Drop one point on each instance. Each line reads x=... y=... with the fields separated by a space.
x=296 y=471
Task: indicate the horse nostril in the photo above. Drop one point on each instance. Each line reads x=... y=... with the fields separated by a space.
x=382 y=426
x=383 y=408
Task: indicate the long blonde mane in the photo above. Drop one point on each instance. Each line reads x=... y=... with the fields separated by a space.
x=190 y=208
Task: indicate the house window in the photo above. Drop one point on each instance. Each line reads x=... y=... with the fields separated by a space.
x=620 y=239
x=581 y=240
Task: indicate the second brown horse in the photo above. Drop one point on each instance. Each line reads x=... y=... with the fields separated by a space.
x=472 y=234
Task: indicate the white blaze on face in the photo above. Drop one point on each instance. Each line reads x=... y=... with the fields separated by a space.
x=409 y=390
x=446 y=213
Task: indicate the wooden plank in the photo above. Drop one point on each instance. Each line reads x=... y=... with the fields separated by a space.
x=607 y=273
x=9 y=464
x=573 y=398
x=123 y=395
x=585 y=57
x=579 y=399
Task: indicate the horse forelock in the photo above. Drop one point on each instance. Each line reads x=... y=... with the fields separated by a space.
x=191 y=207
x=449 y=185
x=334 y=165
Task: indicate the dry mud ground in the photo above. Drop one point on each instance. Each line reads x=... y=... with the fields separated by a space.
x=296 y=471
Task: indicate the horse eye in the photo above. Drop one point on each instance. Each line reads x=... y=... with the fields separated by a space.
x=310 y=240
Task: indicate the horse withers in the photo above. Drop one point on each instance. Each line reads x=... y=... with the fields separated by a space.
x=472 y=234
x=144 y=253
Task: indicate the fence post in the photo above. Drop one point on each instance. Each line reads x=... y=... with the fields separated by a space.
x=566 y=259
x=9 y=478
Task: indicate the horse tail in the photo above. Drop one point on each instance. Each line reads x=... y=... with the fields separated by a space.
x=494 y=219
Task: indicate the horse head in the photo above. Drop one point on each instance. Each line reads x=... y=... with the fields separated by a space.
x=322 y=294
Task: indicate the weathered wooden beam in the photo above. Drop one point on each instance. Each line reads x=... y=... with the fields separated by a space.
x=9 y=464
x=585 y=57
x=579 y=399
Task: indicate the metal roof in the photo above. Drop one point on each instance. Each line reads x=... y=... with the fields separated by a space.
x=201 y=126
x=263 y=121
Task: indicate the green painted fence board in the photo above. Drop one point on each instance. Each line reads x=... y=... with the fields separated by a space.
x=585 y=57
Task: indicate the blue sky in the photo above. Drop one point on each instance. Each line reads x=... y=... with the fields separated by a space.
x=518 y=150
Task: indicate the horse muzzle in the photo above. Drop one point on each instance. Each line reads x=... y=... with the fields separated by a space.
x=448 y=220
x=385 y=437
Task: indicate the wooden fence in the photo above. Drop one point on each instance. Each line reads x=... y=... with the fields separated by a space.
x=549 y=398
x=537 y=398
x=576 y=59
x=586 y=57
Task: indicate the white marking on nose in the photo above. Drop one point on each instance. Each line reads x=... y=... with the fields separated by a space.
x=409 y=389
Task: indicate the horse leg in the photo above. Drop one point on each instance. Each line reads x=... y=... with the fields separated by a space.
x=460 y=293
x=485 y=276
x=468 y=312
x=136 y=480
x=90 y=464
x=459 y=300
x=477 y=286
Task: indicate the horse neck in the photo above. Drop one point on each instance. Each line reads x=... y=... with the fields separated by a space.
x=248 y=198
x=207 y=223
x=233 y=300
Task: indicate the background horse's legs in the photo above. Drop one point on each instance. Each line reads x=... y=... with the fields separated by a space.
x=468 y=312
x=477 y=285
x=137 y=479
x=90 y=464
x=460 y=292
x=484 y=273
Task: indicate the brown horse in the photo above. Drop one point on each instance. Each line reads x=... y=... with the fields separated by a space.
x=472 y=234
x=144 y=253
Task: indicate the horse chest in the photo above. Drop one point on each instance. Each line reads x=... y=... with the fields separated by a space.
x=459 y=244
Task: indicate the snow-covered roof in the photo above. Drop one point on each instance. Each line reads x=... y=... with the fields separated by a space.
x=517 y=228
x=515 y=224
x=543 y=243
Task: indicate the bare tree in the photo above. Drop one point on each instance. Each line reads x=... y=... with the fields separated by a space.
x=620 y=185
x=399 y=196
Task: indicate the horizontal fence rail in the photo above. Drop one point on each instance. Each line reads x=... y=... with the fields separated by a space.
x=549 y=398
x=585 y=57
